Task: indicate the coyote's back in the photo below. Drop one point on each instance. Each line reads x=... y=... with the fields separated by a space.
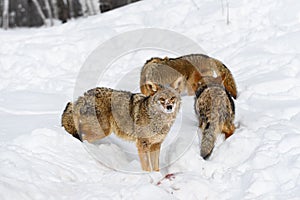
x=191 y=67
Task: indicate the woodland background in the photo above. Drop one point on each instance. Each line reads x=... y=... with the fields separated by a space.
x=33 y=13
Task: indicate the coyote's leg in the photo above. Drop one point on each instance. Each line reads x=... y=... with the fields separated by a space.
x=228 y=129
x=154 y=156
x=144 y=154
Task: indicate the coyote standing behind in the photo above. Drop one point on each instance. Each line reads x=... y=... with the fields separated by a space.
x=215 y=109
x=133 y=117
x=191 y=67
x=166 y=71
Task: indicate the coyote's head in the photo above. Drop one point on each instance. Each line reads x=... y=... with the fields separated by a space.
x=165 y=99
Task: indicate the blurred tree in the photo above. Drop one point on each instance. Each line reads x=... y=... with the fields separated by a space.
x=39 y=10
x=106 y=5
x=49 y=12
x=5 y=14
x=28 y=13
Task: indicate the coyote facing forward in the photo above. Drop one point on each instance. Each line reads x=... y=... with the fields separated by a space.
x=146 y=120
x=215 y=109
x=191 y=67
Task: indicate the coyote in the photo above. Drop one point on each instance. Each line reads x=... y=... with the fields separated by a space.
x=215 y=109
x=133 y=117
x=166 y=71
x=192 y=67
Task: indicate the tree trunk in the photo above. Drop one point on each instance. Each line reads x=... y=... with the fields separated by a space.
x=5 y=14
x=88 y=9
x=71 y=8
x=93 y=7
x=39 y=9
x=83 y=7
x=89 y=6
x=49 y=12
x=55 y=10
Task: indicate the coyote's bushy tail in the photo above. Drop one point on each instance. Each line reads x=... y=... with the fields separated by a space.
x=67 y=121
x=209 y=136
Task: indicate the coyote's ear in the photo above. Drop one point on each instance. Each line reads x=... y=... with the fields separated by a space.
x=152 y=87
x=166 y=58
x=178 y=84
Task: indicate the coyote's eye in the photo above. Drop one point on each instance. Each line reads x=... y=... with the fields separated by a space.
x=172 y=99
x=162 y=100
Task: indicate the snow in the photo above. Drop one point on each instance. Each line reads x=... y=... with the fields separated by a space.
x=39 y=69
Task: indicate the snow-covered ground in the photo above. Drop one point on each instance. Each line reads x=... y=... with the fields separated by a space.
x=260 y=45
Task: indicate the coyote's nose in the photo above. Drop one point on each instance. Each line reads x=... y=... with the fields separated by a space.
x=169 y=107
